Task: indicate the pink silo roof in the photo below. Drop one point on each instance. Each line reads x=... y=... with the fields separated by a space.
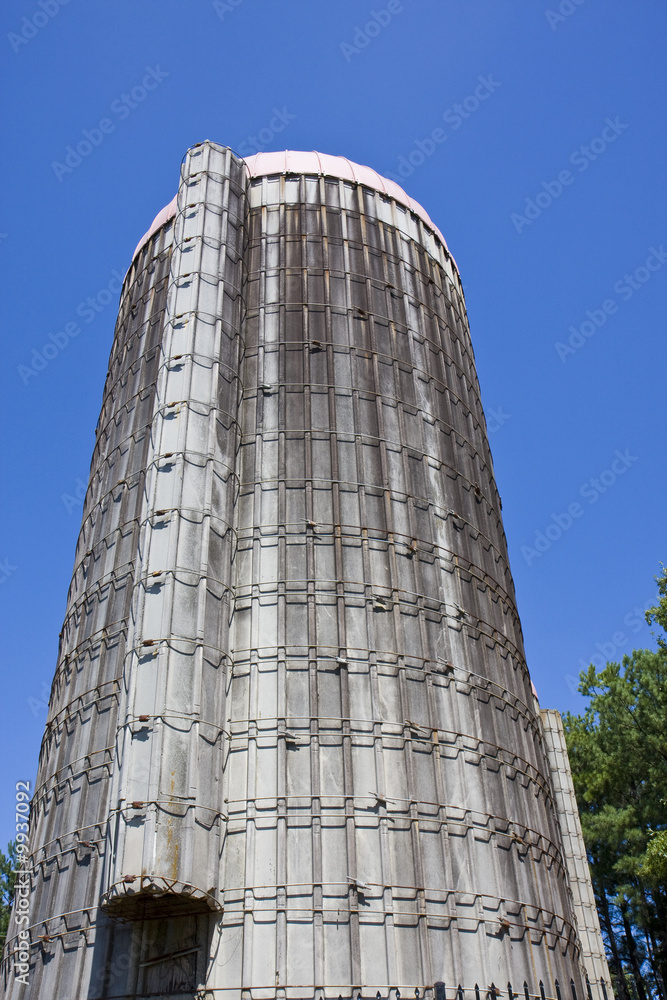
x=297 y=162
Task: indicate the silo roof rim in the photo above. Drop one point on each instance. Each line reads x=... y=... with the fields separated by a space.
x=291 y=161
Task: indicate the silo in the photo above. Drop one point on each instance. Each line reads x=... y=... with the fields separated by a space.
x=292 y=747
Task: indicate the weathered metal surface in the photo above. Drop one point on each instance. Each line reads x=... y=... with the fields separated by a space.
x=574 y=849
x=310 y=759
x=166 y=832
x=313 y=164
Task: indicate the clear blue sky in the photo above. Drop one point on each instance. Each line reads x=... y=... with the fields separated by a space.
x=550 y=85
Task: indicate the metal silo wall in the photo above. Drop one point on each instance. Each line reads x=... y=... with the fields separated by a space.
x=165 y=836
x=292 y=745
x=391 y=819
x=129 y=788
x=70 y=806
x=162 y=875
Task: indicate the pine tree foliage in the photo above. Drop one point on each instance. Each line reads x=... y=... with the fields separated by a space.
x=618 y=755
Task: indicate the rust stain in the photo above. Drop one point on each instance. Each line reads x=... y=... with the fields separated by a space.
x=172 y=841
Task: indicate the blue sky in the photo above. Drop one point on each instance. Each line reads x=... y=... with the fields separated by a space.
x=533 y=134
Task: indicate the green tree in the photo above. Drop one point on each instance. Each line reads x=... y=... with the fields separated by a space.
x=658 y=614
x=618 y=754
x=8 y=862
x=654 y=865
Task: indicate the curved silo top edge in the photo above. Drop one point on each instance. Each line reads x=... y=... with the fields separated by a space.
x=290 y=161
x=163 y=216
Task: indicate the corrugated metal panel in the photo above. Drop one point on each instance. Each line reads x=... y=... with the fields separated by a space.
x=380 y=696
x=588 y=923
x=168 y=815
x=322 y=768
x=71 y=804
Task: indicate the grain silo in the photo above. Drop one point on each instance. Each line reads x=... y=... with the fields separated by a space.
x=292 y=748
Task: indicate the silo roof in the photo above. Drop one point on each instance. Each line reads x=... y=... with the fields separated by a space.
x=291 y=161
